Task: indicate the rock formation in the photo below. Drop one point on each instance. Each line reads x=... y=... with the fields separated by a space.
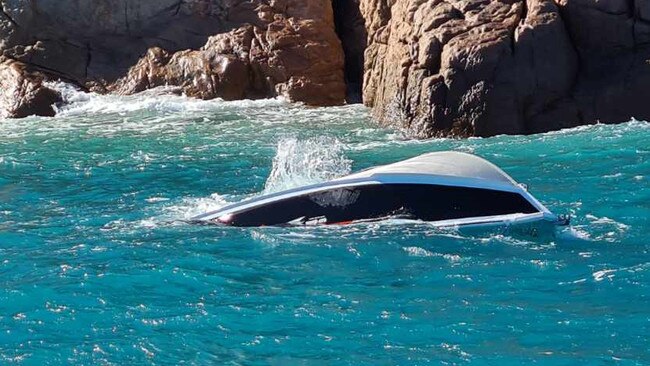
x=211 y=48
x=478 y=67
x=432 y=67
x=278 y=53
x=22 y=92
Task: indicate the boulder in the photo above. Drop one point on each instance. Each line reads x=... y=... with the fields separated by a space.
x=22 y=92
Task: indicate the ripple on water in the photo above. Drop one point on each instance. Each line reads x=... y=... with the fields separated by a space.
x=98 y=264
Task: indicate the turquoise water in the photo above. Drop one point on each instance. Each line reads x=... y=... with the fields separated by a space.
x=97 y=265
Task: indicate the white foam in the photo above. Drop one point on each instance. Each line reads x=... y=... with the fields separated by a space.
x=607 y=221
x=190 y=207
x=157 y=199
x=573 y=233
x=170 y=214
x=609 y=230
x=161 y=99
x=604 y=274
x=418 y=252
x=421 y=252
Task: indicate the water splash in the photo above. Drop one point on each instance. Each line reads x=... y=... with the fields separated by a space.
x=302 y=162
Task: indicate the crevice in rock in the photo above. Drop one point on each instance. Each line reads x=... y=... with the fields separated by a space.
x=632 y=14
x=50 y=73
x=11 y=20
x=574 y=44
x=126 y=17
x=88 y=59
x=523 y=17
x=631 y=9
x=351 y=30
x=177 y=7
x=459 y=14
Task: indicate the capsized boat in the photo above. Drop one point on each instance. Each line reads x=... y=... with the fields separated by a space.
x=445 y=188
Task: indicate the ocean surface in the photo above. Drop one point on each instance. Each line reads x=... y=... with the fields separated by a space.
x=99 y=266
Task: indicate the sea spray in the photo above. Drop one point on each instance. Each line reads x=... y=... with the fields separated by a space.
x=302 y=162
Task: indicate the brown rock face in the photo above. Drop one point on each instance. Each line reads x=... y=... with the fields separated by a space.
x=22 y=92
x=300 y=59
x=433 y=67
x=477 y=67
x=210 y=48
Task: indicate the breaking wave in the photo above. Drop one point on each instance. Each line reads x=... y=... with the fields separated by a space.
x=161 y=99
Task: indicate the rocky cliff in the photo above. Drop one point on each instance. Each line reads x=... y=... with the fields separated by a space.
x=476 y=67
x=210 y=48
x=432 y=67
